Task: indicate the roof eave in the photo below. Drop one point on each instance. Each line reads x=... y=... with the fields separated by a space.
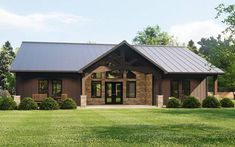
x=199 y=73
x=43 y=71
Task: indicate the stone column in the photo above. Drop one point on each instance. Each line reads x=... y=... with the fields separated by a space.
x=17 y=99
x=83 y=101
x=159 y=102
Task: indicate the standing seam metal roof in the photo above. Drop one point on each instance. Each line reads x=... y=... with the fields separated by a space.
x=74 y=57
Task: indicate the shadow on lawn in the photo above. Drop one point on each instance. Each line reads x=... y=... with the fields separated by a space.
x=184 y=134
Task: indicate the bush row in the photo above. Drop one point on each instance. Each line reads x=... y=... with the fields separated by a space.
x=7 y=103
x=192 y=102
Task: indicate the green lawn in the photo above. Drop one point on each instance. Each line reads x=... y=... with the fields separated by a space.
x=118 y=127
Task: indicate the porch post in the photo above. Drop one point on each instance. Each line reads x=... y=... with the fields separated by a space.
x=83 y=97
x=215 y=85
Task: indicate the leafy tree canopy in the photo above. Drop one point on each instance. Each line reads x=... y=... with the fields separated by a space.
x=191 y=46
x=153 y=35
x=221 y=53
x=7 y=55
x=228 y=14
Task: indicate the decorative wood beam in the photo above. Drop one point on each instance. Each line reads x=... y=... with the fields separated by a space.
x=133 y=61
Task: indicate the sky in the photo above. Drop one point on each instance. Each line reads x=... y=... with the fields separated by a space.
x=105 y=21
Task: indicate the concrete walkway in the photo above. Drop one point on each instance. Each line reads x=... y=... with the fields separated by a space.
x=118 y=106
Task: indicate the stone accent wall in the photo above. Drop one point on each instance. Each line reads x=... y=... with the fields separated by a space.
x=143 y=90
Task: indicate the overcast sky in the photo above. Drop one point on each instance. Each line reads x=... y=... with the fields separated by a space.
x=105 y=21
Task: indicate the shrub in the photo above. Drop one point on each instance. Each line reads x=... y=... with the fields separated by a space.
x=49 y=104
x=7 y=103
x=28 y=104
x=191 y=102
x=226 y=102
x=4 y=93
x=173 y=103
x=68 y=104
x=211 y=102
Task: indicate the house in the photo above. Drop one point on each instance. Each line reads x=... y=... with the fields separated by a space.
x=111 y=73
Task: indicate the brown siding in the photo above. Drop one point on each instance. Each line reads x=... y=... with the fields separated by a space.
x=165 y=90
x=198 y=88
x=27 y=84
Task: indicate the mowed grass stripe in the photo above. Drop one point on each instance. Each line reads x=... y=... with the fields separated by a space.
x=118 y=127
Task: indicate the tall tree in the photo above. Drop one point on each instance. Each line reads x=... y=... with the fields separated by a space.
x=221 y=53
x=7 y=55
x=153 y=35
x=228 y=14
x=191 y=46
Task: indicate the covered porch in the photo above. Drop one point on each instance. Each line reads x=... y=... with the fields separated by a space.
x=121 y=76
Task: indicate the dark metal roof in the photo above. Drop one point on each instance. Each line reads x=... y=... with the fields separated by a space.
x=74 y=57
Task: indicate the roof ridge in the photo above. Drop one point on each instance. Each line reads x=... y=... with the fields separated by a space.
x=51 y=42
x=159 y=45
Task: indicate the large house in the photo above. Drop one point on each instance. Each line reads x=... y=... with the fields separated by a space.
x=111 y=73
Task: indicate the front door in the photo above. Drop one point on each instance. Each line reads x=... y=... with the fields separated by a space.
x=113 y=92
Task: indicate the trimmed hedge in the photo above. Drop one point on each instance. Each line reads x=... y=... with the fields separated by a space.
x=28 y=104
x=226 y=102
x=191 y=102
x=173 y=103
x=49 y=104
x=7 y=103
x=211 y=102
x=68 y=104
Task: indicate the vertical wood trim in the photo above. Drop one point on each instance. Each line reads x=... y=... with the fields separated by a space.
x=215 y=84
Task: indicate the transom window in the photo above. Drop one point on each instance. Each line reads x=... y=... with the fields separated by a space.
x=56 y=88
x=131 y=89
x=43 y=86
x=96 y=89
x=114 y=74
x=130 y=75
x=97 y=75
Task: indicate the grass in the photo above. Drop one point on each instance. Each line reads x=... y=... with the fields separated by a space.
x=118 y=127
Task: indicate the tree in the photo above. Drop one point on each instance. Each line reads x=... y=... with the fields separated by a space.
x=152 y=35
x=221 y=53
x=229 y=16
x=7 y=55
x=191 y=46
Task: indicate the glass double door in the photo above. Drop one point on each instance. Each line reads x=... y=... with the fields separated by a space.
x=113 y=93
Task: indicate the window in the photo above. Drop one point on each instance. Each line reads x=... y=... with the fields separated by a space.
x=97 y=75
x=96 y=89
x=186 y=87
x=56 y=88
x=114 y=74
x=175 y=89
x=130 y=75
x=131 y=89
x=43 y=86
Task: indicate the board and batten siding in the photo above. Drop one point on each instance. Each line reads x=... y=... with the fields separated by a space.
x=27 y=84
x=198 y=88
